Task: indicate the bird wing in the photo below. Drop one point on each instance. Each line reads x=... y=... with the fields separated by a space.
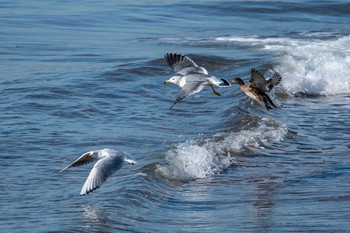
x=85 y=158
x=103 y=169
x=190 y=88
x=257 y=80
x=183 y=64
x=273 y=81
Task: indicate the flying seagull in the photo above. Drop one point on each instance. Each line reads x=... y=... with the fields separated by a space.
x=108 y=161
x=192 y=78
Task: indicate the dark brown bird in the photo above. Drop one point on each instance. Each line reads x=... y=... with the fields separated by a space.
x=258 y=87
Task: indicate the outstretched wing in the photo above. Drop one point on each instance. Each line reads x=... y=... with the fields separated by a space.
x=183 y=64
x=273 y=81
x=190 y=88
x=257 y=80
x=85 y=158
x=103 y=169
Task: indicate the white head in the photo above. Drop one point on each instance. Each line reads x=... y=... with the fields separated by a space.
x=175 y=80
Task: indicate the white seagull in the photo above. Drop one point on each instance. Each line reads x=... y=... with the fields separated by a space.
x=192 y=78
x=108 y=162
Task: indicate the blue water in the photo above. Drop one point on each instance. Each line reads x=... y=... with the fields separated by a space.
x=84 y=75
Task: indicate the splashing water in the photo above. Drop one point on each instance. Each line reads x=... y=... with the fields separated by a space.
x=190 y=161
x=317 y=67
x=196 y=159
x=309 y=66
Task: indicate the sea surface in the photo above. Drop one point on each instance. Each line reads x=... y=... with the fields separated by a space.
x=84 y=75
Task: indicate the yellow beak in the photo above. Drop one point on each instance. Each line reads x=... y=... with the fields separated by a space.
x=166 y=81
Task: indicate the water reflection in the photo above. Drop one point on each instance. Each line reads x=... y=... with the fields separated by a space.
x=95 y=219
x=264 y=203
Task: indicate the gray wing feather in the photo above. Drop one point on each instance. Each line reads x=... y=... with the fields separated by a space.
x=82 y=160
x=190 y=88
x=183 y=64
x=103 y=169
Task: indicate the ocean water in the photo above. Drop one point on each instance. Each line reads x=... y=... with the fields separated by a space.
x=84 y=75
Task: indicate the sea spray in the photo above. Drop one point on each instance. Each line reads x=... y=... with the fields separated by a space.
x=309 y=65
x=194 y=159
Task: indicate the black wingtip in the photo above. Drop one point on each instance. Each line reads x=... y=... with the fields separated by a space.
x=173 y=104
x=90 y=191
x=167 y=58
x=172 y=58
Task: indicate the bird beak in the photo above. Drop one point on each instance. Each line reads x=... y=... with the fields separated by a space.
x=166 y=81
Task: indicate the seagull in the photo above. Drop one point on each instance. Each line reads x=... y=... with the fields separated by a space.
x=257 y=80
x=108 y=161
x=259 y=86
x=192 y=78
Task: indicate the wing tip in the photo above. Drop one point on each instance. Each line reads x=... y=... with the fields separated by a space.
x=253 y=70
x=86 y=192
x=62 y=170
x=173 y=105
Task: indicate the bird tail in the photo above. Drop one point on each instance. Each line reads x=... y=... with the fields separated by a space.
x=224 y=83
x=268 y=102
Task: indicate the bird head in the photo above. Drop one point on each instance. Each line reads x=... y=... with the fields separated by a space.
x=237 y=80
x=174 y=80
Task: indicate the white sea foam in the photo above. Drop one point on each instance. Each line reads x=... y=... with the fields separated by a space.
x=266 y=132
x=309 y=66
x=190 y=161
x=201 y=158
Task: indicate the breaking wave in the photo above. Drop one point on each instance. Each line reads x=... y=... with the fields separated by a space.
x=195 y=159
x=310 y=66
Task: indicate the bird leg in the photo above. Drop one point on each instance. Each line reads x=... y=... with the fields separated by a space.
x=215 y=92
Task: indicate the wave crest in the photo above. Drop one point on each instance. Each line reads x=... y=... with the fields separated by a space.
x=195 y=159
x=309 y=66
